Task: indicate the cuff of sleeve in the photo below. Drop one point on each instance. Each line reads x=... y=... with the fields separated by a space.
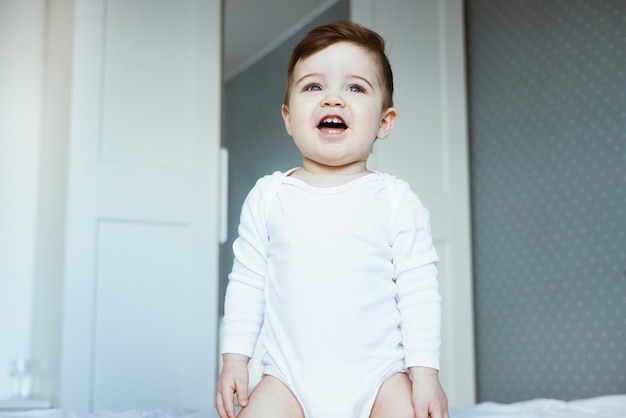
x=242 y=343
x=430 y=360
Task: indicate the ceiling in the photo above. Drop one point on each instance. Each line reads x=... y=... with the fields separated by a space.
x=252 y=28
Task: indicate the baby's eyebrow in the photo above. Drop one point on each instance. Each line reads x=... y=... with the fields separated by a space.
x=310 y=75
x=365 y=80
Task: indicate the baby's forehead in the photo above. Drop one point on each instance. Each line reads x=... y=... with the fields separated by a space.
x=342 y=48
x=342 y=45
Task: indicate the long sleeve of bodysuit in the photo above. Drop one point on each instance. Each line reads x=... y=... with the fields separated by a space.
x=415 y=263
x=244 y=302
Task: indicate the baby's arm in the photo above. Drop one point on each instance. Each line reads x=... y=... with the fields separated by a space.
x=429 y=399
x=419 y=303
x=233 y=379
x=244 y=304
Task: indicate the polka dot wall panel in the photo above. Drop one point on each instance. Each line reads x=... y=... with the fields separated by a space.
x=547 y=82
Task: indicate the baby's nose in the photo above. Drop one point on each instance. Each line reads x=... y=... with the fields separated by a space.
x=333 y=99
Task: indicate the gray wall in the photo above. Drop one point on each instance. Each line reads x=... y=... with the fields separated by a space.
x=548 y=152
x=254 y=133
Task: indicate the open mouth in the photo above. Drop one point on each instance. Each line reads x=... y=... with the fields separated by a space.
x=332 y=123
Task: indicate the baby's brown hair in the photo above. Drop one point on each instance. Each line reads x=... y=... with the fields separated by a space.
x=344 y=31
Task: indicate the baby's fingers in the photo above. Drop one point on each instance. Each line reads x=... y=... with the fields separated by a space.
x=225 y=405
x=435 y=410
x=421 y=412
x=439 y=414
x=242 y=395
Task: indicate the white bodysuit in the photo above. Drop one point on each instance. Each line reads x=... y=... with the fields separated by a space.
x=344 y=280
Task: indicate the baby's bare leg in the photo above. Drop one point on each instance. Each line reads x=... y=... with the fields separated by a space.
x=272 y=399
x=394 y=398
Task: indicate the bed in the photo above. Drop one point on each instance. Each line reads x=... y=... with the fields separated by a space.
x=611 y=406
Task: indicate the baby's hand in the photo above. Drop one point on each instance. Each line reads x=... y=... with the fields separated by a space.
x=233 y=379
x=429 y=399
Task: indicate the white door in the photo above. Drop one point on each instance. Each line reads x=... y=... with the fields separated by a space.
x=140 y=291
x=429 y=149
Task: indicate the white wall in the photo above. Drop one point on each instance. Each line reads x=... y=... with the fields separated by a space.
x=21 y=75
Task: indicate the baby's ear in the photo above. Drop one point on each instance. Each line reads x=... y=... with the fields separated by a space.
x=386 y=123
x=284 y=111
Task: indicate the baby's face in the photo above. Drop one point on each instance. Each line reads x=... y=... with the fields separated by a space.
x=334 y=113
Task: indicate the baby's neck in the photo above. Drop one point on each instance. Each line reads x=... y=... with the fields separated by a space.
x=320 y=179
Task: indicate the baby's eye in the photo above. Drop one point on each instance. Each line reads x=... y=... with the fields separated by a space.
x=312 y=87
x=355 y=88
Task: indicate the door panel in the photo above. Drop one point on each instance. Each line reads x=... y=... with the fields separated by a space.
x=150 y=260
x=149 y=76
x=140 y=302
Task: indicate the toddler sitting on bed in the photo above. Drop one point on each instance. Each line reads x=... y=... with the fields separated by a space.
x=334 y=260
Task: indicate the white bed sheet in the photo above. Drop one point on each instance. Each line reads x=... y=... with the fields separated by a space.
x=131 y=413
x=612 y=406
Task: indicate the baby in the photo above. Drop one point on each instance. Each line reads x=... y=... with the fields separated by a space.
x=335 y=261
